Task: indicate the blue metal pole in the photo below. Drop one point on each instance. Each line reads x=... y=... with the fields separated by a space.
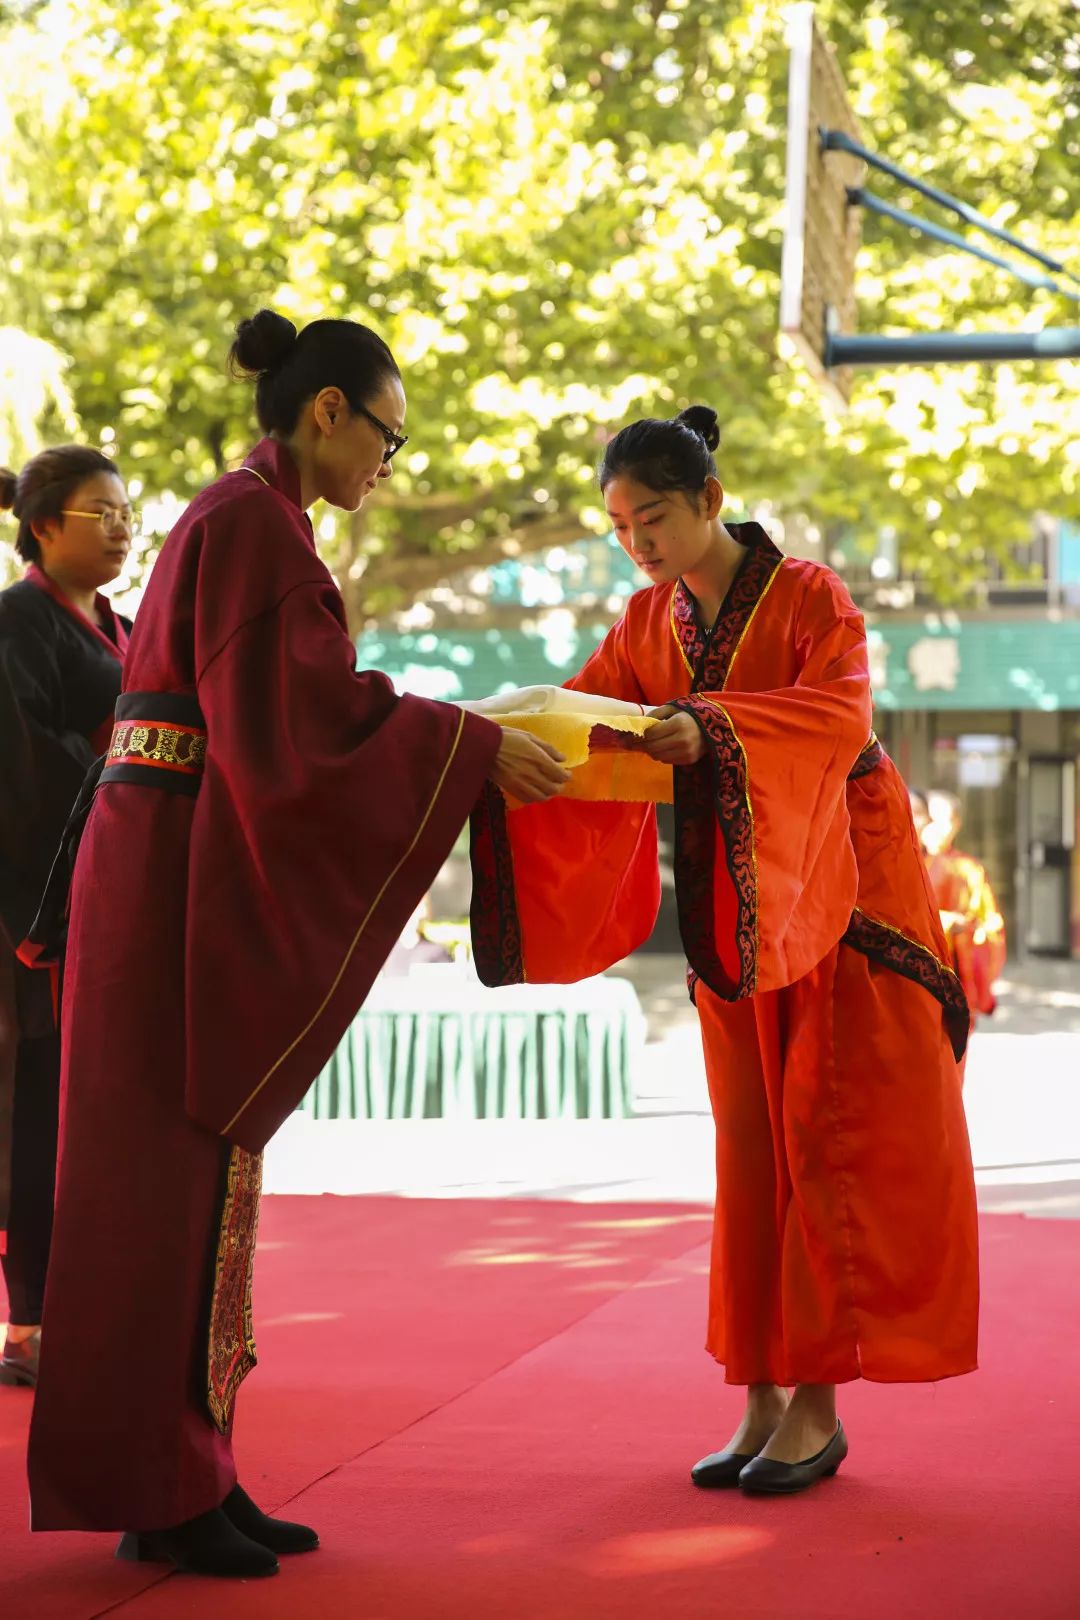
x=932 y=348
x=835 y=140
x=859 y=197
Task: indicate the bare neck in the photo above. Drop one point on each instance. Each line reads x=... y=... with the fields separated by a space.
x=711 y=580
x=300 y=449
x=84 y=600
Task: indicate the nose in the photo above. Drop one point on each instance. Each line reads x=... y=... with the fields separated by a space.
x=386 y=469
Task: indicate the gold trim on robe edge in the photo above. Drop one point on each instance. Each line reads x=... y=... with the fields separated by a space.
x=231 y=1342
x=908 y=939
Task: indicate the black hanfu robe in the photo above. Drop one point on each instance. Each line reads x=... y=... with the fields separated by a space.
x=60 y=676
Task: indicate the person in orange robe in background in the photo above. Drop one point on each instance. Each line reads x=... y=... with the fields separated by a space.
x=969 y=913
x=845 y=1240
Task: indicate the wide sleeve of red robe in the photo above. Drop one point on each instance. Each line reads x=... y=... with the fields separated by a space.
x=792 y=834
x=328 y=807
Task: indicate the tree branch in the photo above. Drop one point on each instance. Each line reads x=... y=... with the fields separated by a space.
x=392 y=580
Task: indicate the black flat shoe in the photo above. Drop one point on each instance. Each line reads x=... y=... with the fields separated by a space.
x=207 y=1545
x=720 y=1468
x=280 y=1535
x=766 y=1477
x=19 y=1363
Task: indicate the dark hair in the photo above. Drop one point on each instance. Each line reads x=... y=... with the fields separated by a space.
x=662 y=454
x=290 y=367
x=45 y=486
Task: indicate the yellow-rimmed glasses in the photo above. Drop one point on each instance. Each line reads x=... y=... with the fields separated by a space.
x=111 y=518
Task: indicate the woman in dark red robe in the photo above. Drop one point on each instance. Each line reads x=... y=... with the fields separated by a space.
x=61 y=655
x=266 y=821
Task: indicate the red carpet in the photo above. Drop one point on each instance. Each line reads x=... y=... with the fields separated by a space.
x=489 y=1410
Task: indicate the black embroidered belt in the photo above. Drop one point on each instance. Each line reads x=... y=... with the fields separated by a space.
x=159 y=739
x=868 y=760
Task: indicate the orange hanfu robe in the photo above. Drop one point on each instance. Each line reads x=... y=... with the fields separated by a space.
x=972 y=923
x=845 y=1240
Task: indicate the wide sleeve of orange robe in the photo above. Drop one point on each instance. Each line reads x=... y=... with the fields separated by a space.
x=540 y=866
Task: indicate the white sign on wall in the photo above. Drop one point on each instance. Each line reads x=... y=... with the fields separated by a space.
x=877 y=649
x=934 y=663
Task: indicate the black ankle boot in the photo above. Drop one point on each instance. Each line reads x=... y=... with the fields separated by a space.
x=279 y=1535
x=207 y=1545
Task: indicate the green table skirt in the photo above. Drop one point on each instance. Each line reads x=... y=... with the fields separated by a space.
x=512 y=1054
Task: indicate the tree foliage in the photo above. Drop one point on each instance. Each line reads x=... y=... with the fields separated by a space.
x=560 y=216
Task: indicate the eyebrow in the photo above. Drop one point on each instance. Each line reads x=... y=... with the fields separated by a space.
x=646 y=506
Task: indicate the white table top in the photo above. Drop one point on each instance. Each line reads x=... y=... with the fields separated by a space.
x=446 y=987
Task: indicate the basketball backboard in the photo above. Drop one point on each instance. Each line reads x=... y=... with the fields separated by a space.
x=821 y=232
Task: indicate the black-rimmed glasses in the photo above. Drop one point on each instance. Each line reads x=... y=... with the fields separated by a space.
x=394 y=441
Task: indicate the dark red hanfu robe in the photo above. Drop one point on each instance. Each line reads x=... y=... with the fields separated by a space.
x=267 y=821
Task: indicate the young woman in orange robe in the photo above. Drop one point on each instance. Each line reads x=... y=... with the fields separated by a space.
x=845 y=1241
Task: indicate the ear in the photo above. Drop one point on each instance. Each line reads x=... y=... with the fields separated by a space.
x=714 y=498
x=328 y=407
x=46 y=532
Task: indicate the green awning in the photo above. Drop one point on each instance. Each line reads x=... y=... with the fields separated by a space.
x=943 y=662
x=956 y=663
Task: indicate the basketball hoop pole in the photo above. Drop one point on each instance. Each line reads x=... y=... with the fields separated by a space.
x=837 y=140
x=931 y=348
x=825 y=195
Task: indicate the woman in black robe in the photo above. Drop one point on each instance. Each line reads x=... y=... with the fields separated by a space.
x=61 y=660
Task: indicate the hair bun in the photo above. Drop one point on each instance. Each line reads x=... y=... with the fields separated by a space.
x=262 y=343
x=703 y=420
x=8 y=482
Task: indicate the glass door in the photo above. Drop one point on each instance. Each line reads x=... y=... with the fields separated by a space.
x=980 y=767
x=1051 y=836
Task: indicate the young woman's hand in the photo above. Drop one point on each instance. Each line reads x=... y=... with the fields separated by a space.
x=677 y=740
x=527 y=769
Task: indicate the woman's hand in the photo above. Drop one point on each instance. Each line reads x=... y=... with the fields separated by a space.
x=527 y=769
x=677 y=740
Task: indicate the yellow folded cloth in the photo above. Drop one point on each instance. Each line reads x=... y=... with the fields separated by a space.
x=598 y=735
